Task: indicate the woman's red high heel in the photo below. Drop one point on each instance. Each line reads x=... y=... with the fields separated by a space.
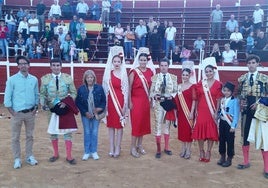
x=207 y=159
x=202 y=156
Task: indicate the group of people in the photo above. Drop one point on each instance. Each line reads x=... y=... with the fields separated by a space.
x=206 y=111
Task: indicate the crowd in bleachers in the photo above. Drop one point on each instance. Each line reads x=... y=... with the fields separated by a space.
x=27 y=33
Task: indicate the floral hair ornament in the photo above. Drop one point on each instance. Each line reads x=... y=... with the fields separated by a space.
x=190 y=66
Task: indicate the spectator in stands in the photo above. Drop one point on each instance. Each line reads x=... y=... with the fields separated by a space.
x=29 y=42
x=66 y=47
x=11 y=22
x=23 y=28
x=19 y=45
x=258 y=17
x=20 y=14
x=236 y=40
x=55 y=45
x=61 y=35
x=1 y=5
x=3 y=38
x=81 y=26
x=119 y=33
x=110 y=41
x=33 y=26
x=216 y=21
x=250 y=43
x=67 y=10
x=231 y=24
x=185 y=53
x=46 y=37
x=73 y=5
x=31 y=49
x=95 y=10
x=84 y=43
x=72 y=27
x=27 y=14
x=79 y=36
x=228 y=56
x=118 y=11
x=105 y=13
x=246 y=27
x=261 y=42
x=62 y=25
x=151 y=25
x=199 y=45
x=128 y=39
x=53 y=24
x=39 y=50
x=165 y=26
x=170 y=35
x=160 y=32
x=176 y=55
x=216 y=53
x=55 y=10
x=155 y=43
x=140 y=32
x=40 y=11
x=82 y=9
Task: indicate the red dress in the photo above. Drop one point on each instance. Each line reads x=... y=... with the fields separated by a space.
x=140 y=112
x=184 y=128
x=205 y=126
x=113 y=120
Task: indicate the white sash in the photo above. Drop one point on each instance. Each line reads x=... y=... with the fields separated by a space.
x=143 y=81
x=117 y=105
x=209 y=100
x=223 y=112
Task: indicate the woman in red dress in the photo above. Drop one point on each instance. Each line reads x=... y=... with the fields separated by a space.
x=139 y=102
x=208 y=98
x=185 y=101
x=115 y=84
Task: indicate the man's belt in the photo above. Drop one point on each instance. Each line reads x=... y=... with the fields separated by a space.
x=27 y=110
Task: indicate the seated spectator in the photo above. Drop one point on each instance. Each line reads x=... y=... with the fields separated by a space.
x=236 y=40
x=80 y=26
x=228 y=56
x=39 y=50
x=216 y=53
x=61 y=35
x=66 y=10
x=62 y=25
x=128 y=42
x=66 y=46
x=185 y=53
x=72 y=27
x=246 y=27
x=31 y=49
x=23 y=28
x=29 y=42
x=155 y=42
x=261 y=42
x=250 y=43
x=84 y=43
x=119 y=33
x=46 y=37
x=176 y=55
x=19 y=45
x=54 y=48
x=199 y=45
x=95 y=10
x=231 y=24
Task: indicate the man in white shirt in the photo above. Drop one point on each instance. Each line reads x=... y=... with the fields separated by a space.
x=170 y=35
x=140 y=33
x=258 y=17
x=33 y=24
x=82 y=9
x=55 y=10
x=236 y=40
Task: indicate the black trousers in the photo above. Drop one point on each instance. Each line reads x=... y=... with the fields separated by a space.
x=226 y=138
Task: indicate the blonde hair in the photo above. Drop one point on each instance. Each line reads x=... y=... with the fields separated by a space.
x=86 y=74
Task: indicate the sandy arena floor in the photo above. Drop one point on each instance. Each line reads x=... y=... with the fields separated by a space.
x=126 y=171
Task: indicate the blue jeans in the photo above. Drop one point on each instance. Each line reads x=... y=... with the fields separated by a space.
x=128 y=49
x=3 y=45
x=170 y=43
x=91 y=129
x=11 y=32
x=140 y=42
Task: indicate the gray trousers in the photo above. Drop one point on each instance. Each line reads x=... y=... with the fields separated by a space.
x=16 y=123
